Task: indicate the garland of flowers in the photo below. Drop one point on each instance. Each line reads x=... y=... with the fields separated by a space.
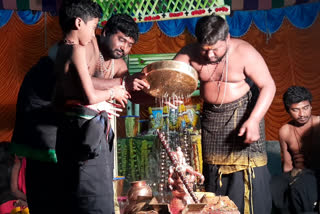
x=20 y=210
x=123 y=156
x=196 y=116
x=195 y=157
x=133 y=160
x=144 y=166
x=133 y=154
x=186 y=116
x=165 y=116
x=199 y=148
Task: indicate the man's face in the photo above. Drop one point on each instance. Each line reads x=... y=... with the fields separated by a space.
x=118 y=45
x=301 y=112
x=214 y=53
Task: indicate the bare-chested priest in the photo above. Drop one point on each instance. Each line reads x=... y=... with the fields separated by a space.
x=295 y=191
x=233 y=138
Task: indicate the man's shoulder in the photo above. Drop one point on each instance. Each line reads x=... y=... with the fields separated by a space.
x=120 y=67
x=316 y=119
x=285 y=130
x=316 y=123
x=240 y=45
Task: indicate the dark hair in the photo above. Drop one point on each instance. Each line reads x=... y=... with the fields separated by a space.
x=296 y=94
x=210 y=29
x=123 y=23
x=72 y=9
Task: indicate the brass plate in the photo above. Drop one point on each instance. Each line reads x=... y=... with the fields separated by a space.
x=170 y=78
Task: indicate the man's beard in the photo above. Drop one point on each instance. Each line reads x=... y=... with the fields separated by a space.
x=303 y=120
x=113 y=54
x=218 y=59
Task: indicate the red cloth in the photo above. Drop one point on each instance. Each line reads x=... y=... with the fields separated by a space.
x=21 y=178
x=6 y=207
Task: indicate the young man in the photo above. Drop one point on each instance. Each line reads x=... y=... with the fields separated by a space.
x=295 y=191
x=232 y=121
x=78 y=24
x=84 y=143
x=36 y=129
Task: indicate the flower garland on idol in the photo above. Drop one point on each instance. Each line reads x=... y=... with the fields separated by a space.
x=133 y=158
x=135 y=175
x=122 y=151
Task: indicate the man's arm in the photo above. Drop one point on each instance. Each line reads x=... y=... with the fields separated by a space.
x=104 y=84
x=183 y=55
x=286 y=156
x=132 y=82
x=257 y=70
x=92 y=95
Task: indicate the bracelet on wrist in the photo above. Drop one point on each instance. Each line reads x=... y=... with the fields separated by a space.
x=123 y=82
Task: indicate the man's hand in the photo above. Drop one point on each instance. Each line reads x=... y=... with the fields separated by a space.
x=113 y=110
x=251 y=129
x=136 y=82
x=109 y=107
x=121 y=95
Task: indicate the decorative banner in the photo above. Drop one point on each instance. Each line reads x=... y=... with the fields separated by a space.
x=157 y=10
x=146 y=8
x=263 y=4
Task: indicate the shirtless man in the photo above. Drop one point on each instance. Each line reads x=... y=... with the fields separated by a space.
x=232 y=123
x=37 y=142
x=298 y=139
x=84 y=144
x=118 y=36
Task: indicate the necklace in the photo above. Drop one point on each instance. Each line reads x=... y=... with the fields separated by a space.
x=224 y=69
x=105 y=70
x=214 y=71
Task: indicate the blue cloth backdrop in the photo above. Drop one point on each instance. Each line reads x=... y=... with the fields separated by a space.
x=268 y=21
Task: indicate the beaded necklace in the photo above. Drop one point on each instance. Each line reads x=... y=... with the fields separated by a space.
x=105 y=70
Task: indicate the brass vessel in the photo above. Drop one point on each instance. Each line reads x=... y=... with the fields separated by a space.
x=170 y=78
x=138 y=191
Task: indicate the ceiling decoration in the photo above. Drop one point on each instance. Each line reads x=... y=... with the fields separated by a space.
x=157 y=10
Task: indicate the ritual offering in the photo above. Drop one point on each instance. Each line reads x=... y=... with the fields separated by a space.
x=170 y=78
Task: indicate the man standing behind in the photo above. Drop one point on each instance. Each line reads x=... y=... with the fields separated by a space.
x=233 y=138
x=118 y=36
x=295 y=191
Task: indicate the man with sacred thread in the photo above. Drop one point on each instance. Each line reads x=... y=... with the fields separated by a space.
x=232 y=125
